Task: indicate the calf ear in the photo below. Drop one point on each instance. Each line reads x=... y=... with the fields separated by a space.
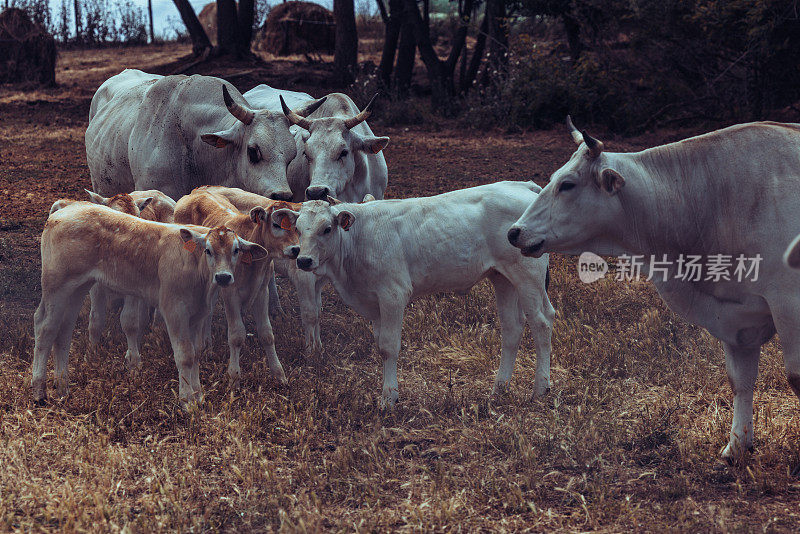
x=611 y=181
x=97 y=199
x=345 y=220
x=367 y=198
x=792 y=255
x=142 y=204
x=258 y=214
x=285 y=218
x=191 y=239
x=372 y=144
x=256 y=251
x=218 y=139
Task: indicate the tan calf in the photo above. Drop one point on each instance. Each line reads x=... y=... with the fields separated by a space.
x=252 y=278
x=179 y=269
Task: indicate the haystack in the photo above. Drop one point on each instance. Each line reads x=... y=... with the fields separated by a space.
x=297 y=28
x=208 y=19
x=27 y=51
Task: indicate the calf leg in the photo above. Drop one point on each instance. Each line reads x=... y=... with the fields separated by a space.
x=46 y=325
x=62 y=343
x=97 y=313
x=540 y=314
x=266 y=337
x=236 y=333
x=134 y=318
x=185 y=343
x=391 y=326
x=512 y=324
x=742 y=367
x=275 y=308
x=309 y=294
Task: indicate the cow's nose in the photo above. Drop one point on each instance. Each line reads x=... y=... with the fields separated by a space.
x=294 y=251
x=304 y=263
x=281 y=195
x=223 y=279
x=513 y=234
x=317 y=193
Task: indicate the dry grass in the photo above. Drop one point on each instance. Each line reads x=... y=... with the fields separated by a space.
x=626 y=441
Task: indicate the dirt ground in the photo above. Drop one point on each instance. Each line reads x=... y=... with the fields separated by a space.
x=626 y=441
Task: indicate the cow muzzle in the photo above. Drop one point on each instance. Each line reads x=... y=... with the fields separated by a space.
x=223 y=279
x=281 y=195
x=317 y=193
x=292 y=252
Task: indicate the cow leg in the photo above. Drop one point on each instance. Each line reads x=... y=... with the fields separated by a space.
x=742 y=367
x=266 y=337
x=63 y=341
x=275 y=308
x=134 y=317
x=236 y=333
x=97 y=313
x=540 y=314
x=512 y=325
x=391 y=326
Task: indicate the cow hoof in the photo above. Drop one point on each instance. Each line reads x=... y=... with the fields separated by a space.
x=280 y=376
x=389 y=400
x=538 y=393
x=734 y=453
x=499 y=390
x=41 y=402
x=234 y=381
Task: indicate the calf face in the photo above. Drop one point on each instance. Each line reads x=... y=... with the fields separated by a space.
x=222 y=250
x=277 y=230
x=319 y=226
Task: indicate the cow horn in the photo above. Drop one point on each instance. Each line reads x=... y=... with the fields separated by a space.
x=595 y=146
x=244 y=115
x=293 y=117
x=362 y=115
x=333 y=201
x=576 y=135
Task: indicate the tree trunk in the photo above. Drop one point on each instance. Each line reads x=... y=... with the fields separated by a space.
x=246 y=17
x=441 y=84
x=573 y=30
x=477 y=57
x=150 y=15
x=227 y=28
x=77 y=7
x=498 y=32
x=394 y=22
x=200 y=42
x=345 y=58
x=407 y=52
x=384 y=14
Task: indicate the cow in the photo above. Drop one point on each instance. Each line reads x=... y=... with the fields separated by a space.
x=125 y=81
x=728 y=194
x=250 y=291
x=177 y=268
x=174 y=133
x=382 y=254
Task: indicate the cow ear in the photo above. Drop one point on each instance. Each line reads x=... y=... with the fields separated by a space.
x=192 y=239
x=611 y=181
x=372 y=144
x=367 y=198
x=258 y=214
x=97 y=199
x=285 y=218
x=257 y=252
x=143 y=203
x=792 y=255
x=345 y=220
x=218 y=139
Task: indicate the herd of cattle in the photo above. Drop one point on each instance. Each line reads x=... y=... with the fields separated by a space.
x=279 y=181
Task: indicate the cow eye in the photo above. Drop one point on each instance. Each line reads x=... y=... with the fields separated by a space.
x=565 y=186
x=235 y=251
x=208 y=252
x=278 y=226
x=343 y=154
x=327 y=230
x=254 y=153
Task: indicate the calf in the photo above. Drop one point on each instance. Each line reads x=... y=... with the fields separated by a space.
x=380 y=255
x=276 y=235
x=177 y=268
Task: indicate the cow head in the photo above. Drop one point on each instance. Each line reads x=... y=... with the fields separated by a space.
x=331 y=146
x=222 y=250
x=276 y=230
x=578 y=205
x=320 y=226
x=260 y=145
x=123 y=203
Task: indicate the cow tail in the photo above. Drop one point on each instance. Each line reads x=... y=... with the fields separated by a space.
x=547 y=279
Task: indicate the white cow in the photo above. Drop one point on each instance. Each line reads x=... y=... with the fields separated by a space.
x=735 y=193
x=179 y=269
x=382 y=254
x=174 y=133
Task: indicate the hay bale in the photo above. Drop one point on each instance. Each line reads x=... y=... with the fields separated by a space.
x=297 y=28
x=208 y=19
x=27 y=51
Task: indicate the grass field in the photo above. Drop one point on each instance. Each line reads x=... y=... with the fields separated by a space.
x=627 y=440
